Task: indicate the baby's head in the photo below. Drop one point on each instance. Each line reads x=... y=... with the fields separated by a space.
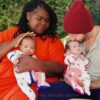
x=74 y=47
x=27 y=45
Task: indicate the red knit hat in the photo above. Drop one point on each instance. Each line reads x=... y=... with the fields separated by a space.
x=78 y=19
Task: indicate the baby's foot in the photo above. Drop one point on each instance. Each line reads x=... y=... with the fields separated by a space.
x=87 y=92
x=44 y=85
x=79 y=90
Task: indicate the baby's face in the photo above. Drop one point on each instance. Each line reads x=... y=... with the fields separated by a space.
x=74 y=47
x=27 y=46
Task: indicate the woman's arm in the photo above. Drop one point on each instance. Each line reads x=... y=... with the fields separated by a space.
x=5 y=47
x=51 y=68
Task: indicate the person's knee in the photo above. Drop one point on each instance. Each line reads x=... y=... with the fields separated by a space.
x=95 y=94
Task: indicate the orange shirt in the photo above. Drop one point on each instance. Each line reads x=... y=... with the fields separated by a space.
x=46 y=50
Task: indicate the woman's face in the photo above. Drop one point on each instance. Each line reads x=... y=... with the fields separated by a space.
x=77 y=37
x=38 y=20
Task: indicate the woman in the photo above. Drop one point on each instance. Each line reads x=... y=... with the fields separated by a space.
x=37 y=18
x=79 y=25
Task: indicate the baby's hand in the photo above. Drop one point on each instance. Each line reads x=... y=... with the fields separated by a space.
x=67 y=53
x=16 y=61
x=82 y=57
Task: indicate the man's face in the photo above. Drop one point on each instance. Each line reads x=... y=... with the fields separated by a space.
x=77 y=37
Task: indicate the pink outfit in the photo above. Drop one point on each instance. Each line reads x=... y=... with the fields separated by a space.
x=77 y=74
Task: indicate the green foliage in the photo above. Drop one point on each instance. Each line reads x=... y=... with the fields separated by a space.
x=10 y=11
x=96 y=14
x=59 y=7
x=62 y=6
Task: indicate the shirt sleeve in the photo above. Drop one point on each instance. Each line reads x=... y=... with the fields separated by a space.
x=13 y=55
x=7 y=35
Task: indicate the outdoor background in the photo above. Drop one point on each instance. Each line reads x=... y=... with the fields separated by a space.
x=10 y=12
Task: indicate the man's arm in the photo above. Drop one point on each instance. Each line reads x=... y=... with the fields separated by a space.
x=95 y=85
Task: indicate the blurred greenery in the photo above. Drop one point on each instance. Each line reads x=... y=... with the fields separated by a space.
x=10 y=11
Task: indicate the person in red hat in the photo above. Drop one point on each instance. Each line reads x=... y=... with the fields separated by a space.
x=78 y=23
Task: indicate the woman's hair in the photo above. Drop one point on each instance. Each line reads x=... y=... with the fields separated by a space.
x=30 y=7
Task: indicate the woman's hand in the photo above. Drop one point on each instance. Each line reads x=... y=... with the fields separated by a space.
x=26 y=63
x=18 y=39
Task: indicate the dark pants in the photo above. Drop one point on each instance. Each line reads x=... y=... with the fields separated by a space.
x=62 y=91
x=95 y=94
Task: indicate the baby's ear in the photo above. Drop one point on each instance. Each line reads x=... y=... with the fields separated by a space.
x=65 y=55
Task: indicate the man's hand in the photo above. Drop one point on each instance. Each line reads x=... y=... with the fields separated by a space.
x=95 y=85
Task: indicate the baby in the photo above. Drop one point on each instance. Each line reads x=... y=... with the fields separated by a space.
x=25 y=79
x=76 y=74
